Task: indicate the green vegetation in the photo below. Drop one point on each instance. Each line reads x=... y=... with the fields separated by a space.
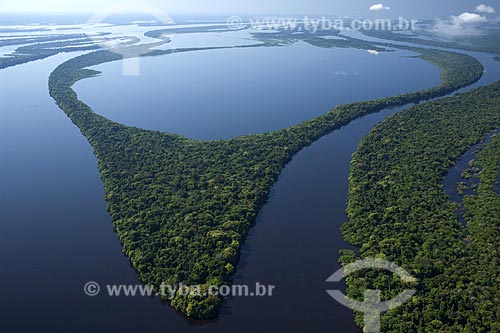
x=483 y=225
x=346 y=43
x=186 y=30
x=27 y=39
x=398 y=211
x=489 y=42
x=284 y=36
x=182 y=208
x=41 y=47
x=471 y=175
x=44 y=47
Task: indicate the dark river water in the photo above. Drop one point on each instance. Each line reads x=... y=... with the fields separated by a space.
x=454 y=176
x=226 y=93
x=55 y=233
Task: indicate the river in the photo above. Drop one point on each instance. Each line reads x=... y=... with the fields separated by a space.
x=55 y=233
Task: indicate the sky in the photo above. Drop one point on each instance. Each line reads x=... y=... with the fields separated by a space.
x=387 y=8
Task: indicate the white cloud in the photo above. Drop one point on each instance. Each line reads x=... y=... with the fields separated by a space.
x=378 y=7
x=469 y=18
x=485 y=9
x=461 y=25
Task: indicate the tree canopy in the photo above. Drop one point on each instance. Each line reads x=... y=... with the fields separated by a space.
x=182 y=208
x=398 y=211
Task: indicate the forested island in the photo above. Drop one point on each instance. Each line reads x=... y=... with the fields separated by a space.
x=398 y=211
x=486 y=42
x=41 y=47
x=182 y=208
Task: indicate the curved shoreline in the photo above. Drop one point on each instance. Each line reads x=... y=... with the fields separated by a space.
x=398 y=211
x=244 y=168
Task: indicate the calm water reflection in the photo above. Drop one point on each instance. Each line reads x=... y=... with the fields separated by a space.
x=55 y=233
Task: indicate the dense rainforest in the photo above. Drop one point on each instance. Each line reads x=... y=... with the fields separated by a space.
x=483 y=234
x=182 y=208
x=398 y=211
